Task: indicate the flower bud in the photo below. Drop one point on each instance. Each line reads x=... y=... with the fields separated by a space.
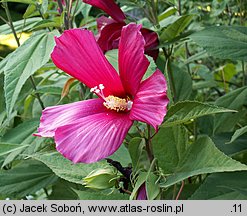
x=101 y=178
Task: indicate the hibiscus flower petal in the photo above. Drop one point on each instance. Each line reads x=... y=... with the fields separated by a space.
x=142 y=194
x=110 y=7
x=151 y=42
x=150 y=102
x=132 y=61
x=77 y=53
x=57 y=116
x=109 y=36
x=92 y=138
x=103 y=21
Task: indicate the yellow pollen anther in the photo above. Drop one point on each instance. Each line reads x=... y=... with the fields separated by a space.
x=118 y=104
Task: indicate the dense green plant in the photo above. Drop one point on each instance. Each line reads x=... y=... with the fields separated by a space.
x=199 y=151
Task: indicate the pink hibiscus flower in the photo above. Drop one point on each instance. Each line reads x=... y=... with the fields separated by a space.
x=110 y=29
x=90 y=130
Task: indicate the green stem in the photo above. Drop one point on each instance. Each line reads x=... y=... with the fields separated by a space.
x=69 y=13
x=60 y=5
x=149 y=145
x=73 y=15
x=37 y=94
x=172 y=79
x=40 y=13
x=224 y=80
x=155 y=12
x=66 y=21
x=140 y=131
x=187 y=56
x=46 y=192
x=4 y=20
x=43 y=18
x=82 y=92
x=5 y=4
x=70 y=8
x=67 y=18
x=18 y=43
x=179 y=8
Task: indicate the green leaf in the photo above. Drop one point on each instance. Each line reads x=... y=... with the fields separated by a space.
x=238 y=133
x=235 y=99
x=21 y=1
x=141 y=179
x=200 y=55
x=236 y=147
x=223 y=186
x=227 y=71
x=183 y=84
x=24 y=62
x=225 y=42
x=180 y=38
x=6 y=148
x=152 y=186
x=18 y=135
x=25 y=178
x=200 y=158
x=168 y=12
x=95 y=195
x=168 y=21
x=64 y=168
x=136 y=146
x=30 y=11
x=176 y=28
x=4 y=62
x=62 y=191
x=20 y=25
x=112 y=57
x=186 y=110
x=49 y=90
x=44 y=6
x=169 y=145
x=122 y=156
x=202 y=71
x=47 y=24
x=5 y=123
x=151 y=68
x=82 y=8
x=204 y=84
